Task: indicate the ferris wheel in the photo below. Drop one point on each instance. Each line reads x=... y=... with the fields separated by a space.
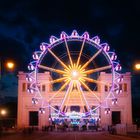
x=74 y=63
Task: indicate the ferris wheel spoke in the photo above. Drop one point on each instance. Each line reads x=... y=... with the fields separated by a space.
x=68 y=51
x=67 y=101
x=81 y=50
x=78 y=87
x=51 y=69
x=97 y=69
x=58 y=80
x=95 y=81
x=82 y=103
x=66 y=95
x=61 y=88
x=54 y=81
x=91 y=59
x=83 y=96
x=83 y=83
x=60 y=61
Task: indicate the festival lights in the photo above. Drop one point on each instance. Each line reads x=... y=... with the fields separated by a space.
x=75 y=75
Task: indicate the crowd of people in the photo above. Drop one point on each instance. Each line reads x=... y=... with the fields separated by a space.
x=71 y=125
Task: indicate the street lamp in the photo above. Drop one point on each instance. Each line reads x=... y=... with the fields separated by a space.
x=5 y=66
x=10 y=65
x=135 y=91
x=3 y=112
x=137 y=66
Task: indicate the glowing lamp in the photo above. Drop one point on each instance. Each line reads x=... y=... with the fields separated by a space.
x=3 y=112
x=10 y=65
x=137 y=66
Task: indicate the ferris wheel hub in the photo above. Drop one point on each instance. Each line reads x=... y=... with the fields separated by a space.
x=75 y=75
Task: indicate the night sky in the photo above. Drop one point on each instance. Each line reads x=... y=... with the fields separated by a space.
x=24 y=24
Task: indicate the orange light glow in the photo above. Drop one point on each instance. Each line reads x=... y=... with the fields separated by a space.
x=10 y=65
x=3 y=112
x=137 y=66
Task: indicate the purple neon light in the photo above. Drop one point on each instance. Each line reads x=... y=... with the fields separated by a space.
x=63 y=36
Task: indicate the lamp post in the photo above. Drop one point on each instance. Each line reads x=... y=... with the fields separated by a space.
x=135 y=92
x=3 y=113
x=9 y=65
x=5 y=66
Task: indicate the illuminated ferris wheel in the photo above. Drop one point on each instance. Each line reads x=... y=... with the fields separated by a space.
x=74 y=63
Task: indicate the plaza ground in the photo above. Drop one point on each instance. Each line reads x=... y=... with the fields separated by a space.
x=66 y=136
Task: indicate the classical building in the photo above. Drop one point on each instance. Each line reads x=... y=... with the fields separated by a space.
x=28 y=113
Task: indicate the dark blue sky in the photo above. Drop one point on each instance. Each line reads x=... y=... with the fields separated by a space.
x=24 y=24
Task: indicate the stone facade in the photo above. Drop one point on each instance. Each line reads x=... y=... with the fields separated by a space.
x=123 y=110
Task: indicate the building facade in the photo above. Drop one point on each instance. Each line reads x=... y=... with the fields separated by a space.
x=28 y=114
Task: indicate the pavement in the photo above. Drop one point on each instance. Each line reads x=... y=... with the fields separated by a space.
x=65 y=136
